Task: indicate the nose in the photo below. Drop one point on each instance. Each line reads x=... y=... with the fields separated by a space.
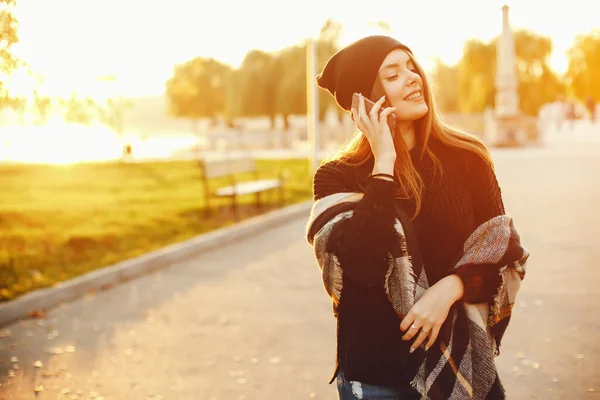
x=412 y=79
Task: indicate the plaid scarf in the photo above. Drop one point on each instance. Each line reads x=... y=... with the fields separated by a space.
x=461 y=363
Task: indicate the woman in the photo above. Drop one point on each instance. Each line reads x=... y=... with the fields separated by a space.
x=410 y=233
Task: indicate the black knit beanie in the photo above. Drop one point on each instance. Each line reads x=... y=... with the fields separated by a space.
x=354 y=68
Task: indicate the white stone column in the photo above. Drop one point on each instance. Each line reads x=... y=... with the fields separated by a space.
x=507 y=97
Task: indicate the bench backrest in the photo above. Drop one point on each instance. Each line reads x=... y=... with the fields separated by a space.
x=214 y=168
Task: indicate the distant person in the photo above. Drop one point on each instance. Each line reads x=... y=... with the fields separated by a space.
x=127 y=151
x=570 y=114
x=591 y=106
x=560 y=111
x=410 y=232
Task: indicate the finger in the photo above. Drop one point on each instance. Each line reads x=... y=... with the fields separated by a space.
x=374 y=114
x=361 y=106
x=435 y=331
x=420 y=338
x=362 y=113
x=355 y=116
x=363 y=128
x=357 y=120
x=407 y=321
x=383 y=117
x=412 y=330
x=377 y=105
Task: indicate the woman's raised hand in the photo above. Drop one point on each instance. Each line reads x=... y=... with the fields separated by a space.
x=375 y=127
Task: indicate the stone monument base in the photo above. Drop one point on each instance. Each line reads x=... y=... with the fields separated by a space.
x=510 y=130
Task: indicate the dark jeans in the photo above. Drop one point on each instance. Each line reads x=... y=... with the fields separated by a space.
x=351 y=390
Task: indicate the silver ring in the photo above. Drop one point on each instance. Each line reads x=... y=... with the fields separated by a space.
x=423 y=332
x=413 y=326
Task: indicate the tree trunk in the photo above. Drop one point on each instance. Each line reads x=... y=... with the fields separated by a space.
x=286 y=122
x=340 y=114
x=322 y=115
x=198 y=152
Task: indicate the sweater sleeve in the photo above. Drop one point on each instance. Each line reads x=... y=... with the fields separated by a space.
x=362 y=243
x=481 y=282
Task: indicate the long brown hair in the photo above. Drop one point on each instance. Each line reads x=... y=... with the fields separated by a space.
x=358 y=150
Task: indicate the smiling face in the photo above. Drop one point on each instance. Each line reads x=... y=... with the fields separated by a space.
x=403 y=86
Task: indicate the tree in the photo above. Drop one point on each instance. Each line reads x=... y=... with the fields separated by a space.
x=583 y=78
x=112 y=111
x=291 y=67
x=383 y=26
x=197 y=89
x=538 y=85
x=327 y=46
x=477 y=70
x=42 y=106
x=291 y=91
x=79 y=110
x=269 y=84
x=444 y=78
x=234 y=103
x=331 y=33
x=8 y=37
x=257 y=80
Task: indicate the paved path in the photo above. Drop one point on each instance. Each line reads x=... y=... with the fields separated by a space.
x=251 y=320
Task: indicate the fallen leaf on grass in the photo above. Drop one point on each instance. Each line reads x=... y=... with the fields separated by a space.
x=55 y=350
x=36 y=314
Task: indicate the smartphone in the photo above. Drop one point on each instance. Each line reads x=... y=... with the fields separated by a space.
x=369 y=105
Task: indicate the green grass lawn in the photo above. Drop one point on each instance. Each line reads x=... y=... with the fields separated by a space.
x=58 y=222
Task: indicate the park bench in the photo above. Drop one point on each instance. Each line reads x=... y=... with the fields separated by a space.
x=232 y=167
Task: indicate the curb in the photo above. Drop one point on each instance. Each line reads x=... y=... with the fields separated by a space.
x=123 y=271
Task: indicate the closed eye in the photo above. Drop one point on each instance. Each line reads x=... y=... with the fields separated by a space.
x=391 y=78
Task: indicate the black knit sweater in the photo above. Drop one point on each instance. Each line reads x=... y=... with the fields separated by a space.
x=454 y=203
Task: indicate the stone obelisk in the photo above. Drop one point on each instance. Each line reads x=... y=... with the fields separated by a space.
x=510 y=125
x=507 y=97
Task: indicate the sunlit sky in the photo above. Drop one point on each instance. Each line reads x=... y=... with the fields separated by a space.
x=73 y=42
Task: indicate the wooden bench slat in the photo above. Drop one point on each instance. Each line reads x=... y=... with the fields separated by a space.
x=249 y=187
